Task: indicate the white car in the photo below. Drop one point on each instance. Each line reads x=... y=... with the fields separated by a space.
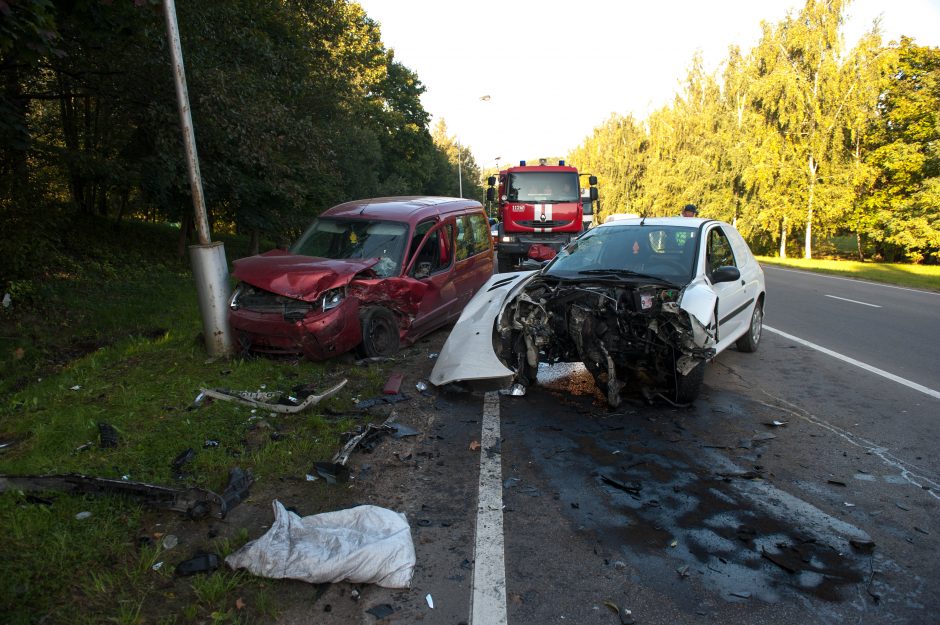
x=645 y=302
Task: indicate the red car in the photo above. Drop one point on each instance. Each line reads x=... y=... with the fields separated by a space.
x=369 y=274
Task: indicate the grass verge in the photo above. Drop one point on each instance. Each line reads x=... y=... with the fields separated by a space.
x=122 y=346
x=913 y=276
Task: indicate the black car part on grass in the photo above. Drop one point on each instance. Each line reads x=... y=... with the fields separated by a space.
x=195 y=503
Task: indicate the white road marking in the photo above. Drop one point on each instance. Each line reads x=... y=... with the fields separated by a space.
x=857 y=363
x=855 y=280
x=854 y=301
x=910 y=473
x=488 y=600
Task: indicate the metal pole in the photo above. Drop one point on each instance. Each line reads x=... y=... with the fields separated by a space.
x=210 y=269
x=459 y=172
x=186 y=121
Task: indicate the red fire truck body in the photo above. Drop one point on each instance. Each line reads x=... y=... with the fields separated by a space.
x=538 y=205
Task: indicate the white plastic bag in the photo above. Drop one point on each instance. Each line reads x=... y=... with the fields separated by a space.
x=363 y=545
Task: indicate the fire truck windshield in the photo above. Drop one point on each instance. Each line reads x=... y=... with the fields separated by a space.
x=543 y=187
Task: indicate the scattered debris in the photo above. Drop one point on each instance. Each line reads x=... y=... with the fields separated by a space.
x=400 y=430
x=433 y=355
x=199 y=563
x=185 y=457
x=421 y=386
x=332 y=472
x=365 y=544
x=836 y=482
x=430 y=601
x=381 y=400
x=865 y=546
x=170 y=541
x=77 y=387
x=262 y=399
x=196 y=503
x=369 y=436
x=921 y=530
x=625 y=616
x=364 y=362
x=381 y=611
x=683 y=571
x=157 y=566
x=902 y=506
x=516 y=390
x=781 y=560
x=81 y=516
x=775 y=423
x=393 y=384
x=633 y=487
x=474 y=445
x=107 y=436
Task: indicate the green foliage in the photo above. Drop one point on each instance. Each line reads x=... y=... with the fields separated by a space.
x=296 y=106
x=795 y=136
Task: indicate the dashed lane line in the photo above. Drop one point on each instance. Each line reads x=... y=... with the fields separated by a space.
x=861 y=365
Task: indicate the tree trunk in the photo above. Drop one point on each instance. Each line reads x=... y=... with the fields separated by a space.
x=858 y=244
x=185 y=227
x=783 y=238
x=808 y=242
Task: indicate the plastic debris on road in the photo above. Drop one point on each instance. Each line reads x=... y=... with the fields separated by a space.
x=361 y=545
x=430 y=601
x=286 y=404
x=516 y=390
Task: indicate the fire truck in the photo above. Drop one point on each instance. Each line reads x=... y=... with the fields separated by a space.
x=540 y=209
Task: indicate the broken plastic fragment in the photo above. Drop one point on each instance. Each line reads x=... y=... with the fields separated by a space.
x=775 y=423
x=381 y=611
x=170 y=541
x=77 y=387
x=421 y=385
x=516 y=390
x=200 y=563
x=430 y=601
x=81 y=516
x=157 y=566
x=107 y=435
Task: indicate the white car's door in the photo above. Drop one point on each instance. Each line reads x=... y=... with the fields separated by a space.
x=733 y=305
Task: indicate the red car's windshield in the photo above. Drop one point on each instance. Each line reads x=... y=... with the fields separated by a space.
x=356 y=238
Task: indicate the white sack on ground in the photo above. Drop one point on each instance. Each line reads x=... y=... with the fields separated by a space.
x=363 y=545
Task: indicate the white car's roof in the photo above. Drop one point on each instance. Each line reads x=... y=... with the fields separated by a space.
x=656 y=221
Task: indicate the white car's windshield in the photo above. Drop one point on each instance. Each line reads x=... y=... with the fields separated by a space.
x=664 y=252
x=356 y=238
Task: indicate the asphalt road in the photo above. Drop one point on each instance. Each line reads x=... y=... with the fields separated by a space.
x=891 y=328
x=708 y=514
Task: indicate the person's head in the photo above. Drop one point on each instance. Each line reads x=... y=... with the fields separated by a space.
x=689 y=210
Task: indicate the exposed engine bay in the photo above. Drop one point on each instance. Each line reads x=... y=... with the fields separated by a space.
x=625 y=332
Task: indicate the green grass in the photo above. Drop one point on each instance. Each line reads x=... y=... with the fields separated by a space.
x=123 y=346
x=914 y=276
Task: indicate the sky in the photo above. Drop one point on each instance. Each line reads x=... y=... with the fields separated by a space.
x=553 y=71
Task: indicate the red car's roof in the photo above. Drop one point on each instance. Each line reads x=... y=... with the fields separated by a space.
x=406 y=209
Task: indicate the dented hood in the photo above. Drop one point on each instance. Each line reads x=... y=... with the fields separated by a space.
x=299 y=277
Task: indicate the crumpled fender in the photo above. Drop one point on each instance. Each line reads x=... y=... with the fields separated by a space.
x=698 y=299
x=298 y=277
x=468 y=352
x=399 y=294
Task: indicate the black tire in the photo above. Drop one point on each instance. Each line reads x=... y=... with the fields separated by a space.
x=505 y=263
x=751 y=339
x=379 y=332
x=688 y=386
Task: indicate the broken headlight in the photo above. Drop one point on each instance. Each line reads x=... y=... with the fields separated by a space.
x=332 y=298
x=236 y=295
